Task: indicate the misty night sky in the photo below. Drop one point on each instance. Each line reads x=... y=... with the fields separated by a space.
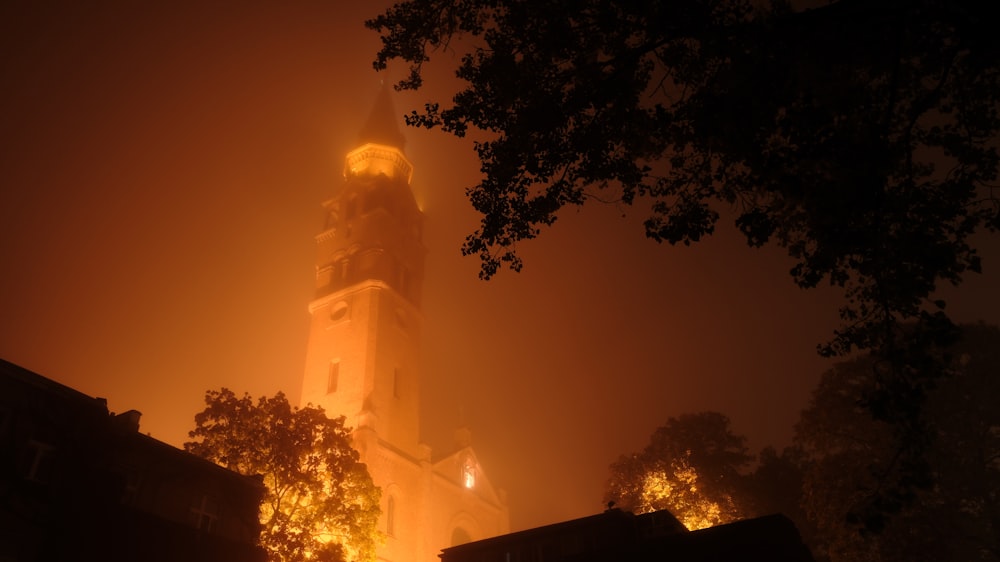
x=161 y=174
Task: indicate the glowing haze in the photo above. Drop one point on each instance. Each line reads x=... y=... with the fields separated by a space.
x=161 y=176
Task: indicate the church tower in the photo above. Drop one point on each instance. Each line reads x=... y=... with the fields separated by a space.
x=363 y=355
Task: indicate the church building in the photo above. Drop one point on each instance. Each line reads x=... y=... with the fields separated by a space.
x=363 y=354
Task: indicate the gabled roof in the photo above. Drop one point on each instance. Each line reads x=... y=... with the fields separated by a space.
x=449 y=468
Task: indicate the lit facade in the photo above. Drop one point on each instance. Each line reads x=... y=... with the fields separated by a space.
x=363 y=355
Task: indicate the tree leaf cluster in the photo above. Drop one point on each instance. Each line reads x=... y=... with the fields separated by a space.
x=321 y=503
x=693 y=466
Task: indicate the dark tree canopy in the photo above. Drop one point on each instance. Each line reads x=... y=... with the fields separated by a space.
x=321 y=503
x=860 y=136
x=846 y=455
x=855 y=135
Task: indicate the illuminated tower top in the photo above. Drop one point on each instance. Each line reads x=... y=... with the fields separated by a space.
x=380 y=145
x=373 y=226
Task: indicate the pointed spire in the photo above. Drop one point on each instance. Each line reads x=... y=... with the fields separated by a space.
x=382 y=126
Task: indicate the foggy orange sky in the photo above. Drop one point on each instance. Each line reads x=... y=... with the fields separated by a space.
x=161 y=174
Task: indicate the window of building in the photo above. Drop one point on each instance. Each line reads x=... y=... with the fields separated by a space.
x=404 y=280
x=133 y=481
x=39 y=462
x=338 y=312
x=331 y=221
x=205 y=513
x=350 y=207
x=468 y=475
x=369 y=202
x=400 y=317
x=333 y=377
x=6 y=422
x=460 y=536
x=324 y=275
x=390 y=517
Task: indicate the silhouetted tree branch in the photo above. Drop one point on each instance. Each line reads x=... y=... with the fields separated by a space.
x=859 y=136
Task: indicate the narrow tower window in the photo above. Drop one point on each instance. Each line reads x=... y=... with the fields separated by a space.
x=404 y=280
x=332 y=377
x=390 y=517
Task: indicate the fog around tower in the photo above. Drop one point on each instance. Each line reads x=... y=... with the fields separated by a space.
x=161 y=176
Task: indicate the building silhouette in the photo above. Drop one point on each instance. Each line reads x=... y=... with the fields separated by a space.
x=363 y=354
x=78 y=482
x=620 y=536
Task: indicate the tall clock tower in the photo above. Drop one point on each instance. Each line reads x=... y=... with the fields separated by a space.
x=363 y=356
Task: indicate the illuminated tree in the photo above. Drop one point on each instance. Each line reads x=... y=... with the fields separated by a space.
x=859 y=136
x=321 y=504
x=691 y=467
x=955 y=515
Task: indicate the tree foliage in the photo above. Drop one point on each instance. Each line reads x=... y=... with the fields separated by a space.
x=859 y=136
x=320 y=503
x=775 y=486
x=692 y=467
x=846 y=456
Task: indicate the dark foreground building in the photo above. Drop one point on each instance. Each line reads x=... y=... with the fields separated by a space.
x=80 y=483
x=620 y=536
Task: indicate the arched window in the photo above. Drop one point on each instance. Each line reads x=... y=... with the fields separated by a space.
x=460 y=536
x=469 y=474
x=350 y=207
x=333 y=377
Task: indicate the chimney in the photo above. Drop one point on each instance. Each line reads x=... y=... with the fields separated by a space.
x=129 y=420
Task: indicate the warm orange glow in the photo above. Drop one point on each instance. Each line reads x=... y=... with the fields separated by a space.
x=160 y=191
x=469 y=476
x=676 y=488
x=375 y=159
x=293 y=504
